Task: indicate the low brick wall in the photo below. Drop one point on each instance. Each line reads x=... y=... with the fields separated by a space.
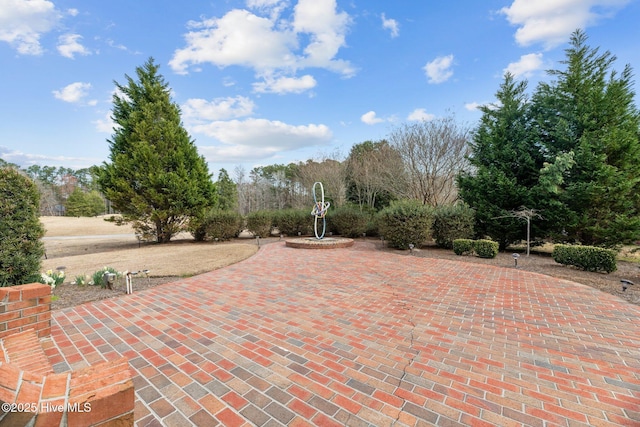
x=25 y=307
x=98 y=395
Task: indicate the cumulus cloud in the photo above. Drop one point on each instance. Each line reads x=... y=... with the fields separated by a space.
x=371 y=118
x=69 y=45
x=198 y=111
x=252 y=139
x=526 y=65
x=439 y=70
x=270 y=44
x=550 y=22
x=22 y=23
x=391 y=25
x=284 y=85
x=74 y=93
x=420 y=114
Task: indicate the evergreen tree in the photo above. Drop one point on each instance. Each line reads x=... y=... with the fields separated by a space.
x=227 y=192
x=80 y=203
x=505 y=165
x=588 y=112
x=21 y=249
x=155 y=179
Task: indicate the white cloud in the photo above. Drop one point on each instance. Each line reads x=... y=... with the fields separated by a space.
x=238 y=38
x=526 y=65
x=371 y=118
x=284 y=85
x=473 y=106
x=420 y=114
x=105 y=125
x=439 y=70
x=69 y=45
x=74 y=92
x=550 y=22
x=199 y=111
x=269 y=44
x=252 y=139
x=391 y=25
x=25 y=160
x=22 y=23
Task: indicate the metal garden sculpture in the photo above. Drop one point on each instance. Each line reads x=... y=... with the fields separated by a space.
x=319 y=210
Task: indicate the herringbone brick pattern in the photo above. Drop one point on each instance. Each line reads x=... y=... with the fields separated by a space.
x=361 y=337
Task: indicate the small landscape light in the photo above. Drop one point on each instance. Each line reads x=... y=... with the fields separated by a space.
x=411 y=246
x=515 y=259
x=625 y=284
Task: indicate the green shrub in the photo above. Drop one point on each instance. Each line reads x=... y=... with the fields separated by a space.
x=451 y=223
x=21 y=249
x=260 y=223
x=349 y=221
x=293 y=221
x=589 y=258
x=405 y=222
x=96 y=278
x=463 y=246
x=217 y=224
x=485 y=248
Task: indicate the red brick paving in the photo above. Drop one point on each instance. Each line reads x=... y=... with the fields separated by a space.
x=358 y=336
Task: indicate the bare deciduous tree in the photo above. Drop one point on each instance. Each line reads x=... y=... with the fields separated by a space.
x=433 y=153
x=374 y=169
x=330 y=172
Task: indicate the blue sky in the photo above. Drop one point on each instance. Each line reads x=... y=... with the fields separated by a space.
x=261 y=82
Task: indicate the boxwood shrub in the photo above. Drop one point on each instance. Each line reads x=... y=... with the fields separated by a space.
x=589 y=258
x=260 y=223
x=485 y=248
x=451 y=223
x=463 y=246
x=405 y=222
x=349 y=221
x=291 y=221
x=217 y=224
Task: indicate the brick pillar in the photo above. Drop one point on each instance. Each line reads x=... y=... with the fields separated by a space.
x=25 y=307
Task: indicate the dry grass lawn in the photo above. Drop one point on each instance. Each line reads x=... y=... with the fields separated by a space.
x=85 y=245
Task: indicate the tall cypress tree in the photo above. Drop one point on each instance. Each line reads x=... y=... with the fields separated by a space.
x=505 y=163
x=589 y=112
x=155 y=179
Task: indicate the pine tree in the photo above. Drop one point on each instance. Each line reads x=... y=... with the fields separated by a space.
x=505 y=163
x=155 y=179
x=589 y=113
x=227 y=192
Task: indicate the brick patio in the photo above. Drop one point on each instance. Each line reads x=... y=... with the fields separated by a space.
x=362 y=337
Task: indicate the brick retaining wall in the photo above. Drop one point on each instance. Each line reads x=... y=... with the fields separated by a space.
x=98 y=395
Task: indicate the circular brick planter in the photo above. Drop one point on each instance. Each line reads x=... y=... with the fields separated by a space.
x=313 y=243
